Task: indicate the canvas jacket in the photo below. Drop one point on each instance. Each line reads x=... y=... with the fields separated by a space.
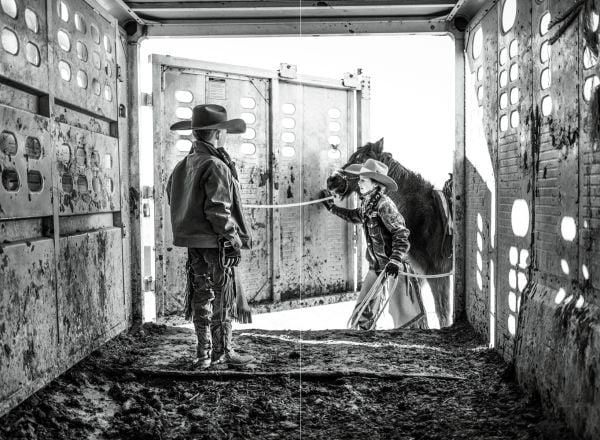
x=385 y=230
x=205 y=202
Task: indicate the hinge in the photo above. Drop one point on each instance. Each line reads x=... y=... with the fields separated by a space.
x=147 y=192
x=288 y=71
x=147 y=99
x=119 y=74
x=365 y=87
x=162 y=78
x=350 y=80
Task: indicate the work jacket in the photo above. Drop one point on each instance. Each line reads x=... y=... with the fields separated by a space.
x=205 y=201
x=385 y=230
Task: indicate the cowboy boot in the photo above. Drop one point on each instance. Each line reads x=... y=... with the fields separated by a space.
x=233 y=359
x=218 y=351
x=203 y=349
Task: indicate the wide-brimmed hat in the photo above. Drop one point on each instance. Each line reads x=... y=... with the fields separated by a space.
x=377 y=171
x=209 y=117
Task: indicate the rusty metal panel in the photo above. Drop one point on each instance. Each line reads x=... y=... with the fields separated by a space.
x=28 y=326
x=25 y=165
x=90 y=291
x=84 y=65
x=25 y=45
x=88 y=166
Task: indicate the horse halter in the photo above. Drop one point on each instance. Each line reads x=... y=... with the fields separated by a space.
x=345 y=177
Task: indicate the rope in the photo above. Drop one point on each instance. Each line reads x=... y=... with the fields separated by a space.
x=418 y=275
x=289 y=205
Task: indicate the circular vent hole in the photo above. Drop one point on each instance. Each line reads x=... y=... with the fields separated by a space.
x=63 y=154
x=10 y=42
x=32 y=54
x=10 y=8
x=64 y=41
x=8 y=143
x=82 y=52
x=95 y=33
x=80 y=23
x=289 y=109
x=33 y=148
x=67 y=183
x=477 y=43
x=248 y=148
x=80 y=157
x=184 y=96
x=35 y=181
x=31 y=20
x=82 y=185
x=65 y=70
x=288 y=151
x=82 y=79
x=10 y=180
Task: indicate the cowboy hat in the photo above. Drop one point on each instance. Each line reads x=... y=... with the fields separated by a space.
x=377 y=171
x=210 y=117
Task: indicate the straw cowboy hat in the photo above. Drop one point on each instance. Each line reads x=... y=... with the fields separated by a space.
x=377 y=171
x=210 y=117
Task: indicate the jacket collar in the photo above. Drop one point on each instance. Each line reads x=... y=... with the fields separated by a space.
x=201 y=146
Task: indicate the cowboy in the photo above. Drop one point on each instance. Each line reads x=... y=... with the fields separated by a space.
x=387 y=245
x=207 y=218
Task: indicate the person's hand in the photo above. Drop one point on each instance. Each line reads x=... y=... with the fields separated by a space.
x=391 y=269
x=327 y=203
x=229 y=255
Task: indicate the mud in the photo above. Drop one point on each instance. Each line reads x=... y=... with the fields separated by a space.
x=447 y=385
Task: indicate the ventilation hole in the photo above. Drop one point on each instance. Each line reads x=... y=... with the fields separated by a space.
x=479 y=261
x=247 y=102
x=33 y=148
x=96 y=87
x=35 y=181
x=183 y=112
x=513 y=256
x=480 y=94
x=520 y=218
x=10 y=8
x=514 y=95
x=96 y=184
x=248 y=118
x=289 y=109
x=334 y=127
x=564 y=265
x=288 y=137
x=248 y=148
x=480 y=73
x=545 y=79
x=32 y=54
x=545 y=52
x=479 y=222
x=249 y=133
x=560 y=296
x=82 y=79
x=503 y=123
x=503 y=100
x=503 y=56
x=109 y=185
x=568 y=299
x=479 y=242
x=512 y=301
x=589 y=59
x=544 y=23
x=107 y=44
x=546 y=105
x=80 y=23
x=8 y=143
x=334 y=113
x=512 y=325
x=63 y=11
x=10 y=42
x=288 y=151
x=108 y=93
x=94 y=159
x=514 y=72
x=509 y=14
x=521 y=281
x=591 y=83
x=183 y=145
x=63 y=154
x=479 y=280
x=108 y=70
x=513 y=49
x=288 y=123
x=586 y=224
x=95 y=33
x=82 y=185
x=184 y=96
x=64 y=41
x=10 y=180
x=524 y=259
x=568 y=228
x=334 y=154
x=512 y=279
x=65 y=70
x=477 y=43
x=184 y=132
x=67 y=183
x=32 y=21
x=96 y=60
x=585 y=272
x=80 y=157
x=108 y=162
x=580 y=302
x=334 y=140
x=593 y=21
x=82 y=52
x=514 y=119
x=503 y=78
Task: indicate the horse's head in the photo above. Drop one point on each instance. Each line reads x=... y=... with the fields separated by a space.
x=343 y=183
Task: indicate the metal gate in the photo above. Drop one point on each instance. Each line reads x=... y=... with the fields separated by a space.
x=298 y=131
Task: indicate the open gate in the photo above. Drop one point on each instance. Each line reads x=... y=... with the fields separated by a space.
x=299 y=131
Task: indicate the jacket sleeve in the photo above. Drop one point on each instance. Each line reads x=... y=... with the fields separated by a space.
x=350 y=215
x=394 y=222
x=218 y=186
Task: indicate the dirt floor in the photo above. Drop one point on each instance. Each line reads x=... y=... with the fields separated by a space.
x=415 y=384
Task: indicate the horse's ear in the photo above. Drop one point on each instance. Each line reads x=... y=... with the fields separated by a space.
x=378 y=146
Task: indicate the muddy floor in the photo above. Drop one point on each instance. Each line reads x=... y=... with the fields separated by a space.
x=415 y=384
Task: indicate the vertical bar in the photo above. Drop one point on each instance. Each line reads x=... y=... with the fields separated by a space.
x=351 y=271
x=273 y=198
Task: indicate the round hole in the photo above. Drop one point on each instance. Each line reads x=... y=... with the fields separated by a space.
x=65 y=70
x=546 y=105
x=564 y=265
x=63 y=154
x=32 y=53
x=514 y=95
x=513 y=256
x=588 y=87
x=509 y=14
x=289 y=109
x=514 y=119
x=545 y=52
x=96 y=60
x=503 y=78
x=521 y=281
x=544 y=23
x=593 y=21
x=580 y=302
x=32 y=21
x=288 y=123
x=82 y=184
x=514 y=72
x=503 y=56
x=480 y=94
x=479 y=281
x=477 y=43
x=479 y=261
x=479 y=242
x=520 y=218
x=545 y=79
x=10 y=42
x=503 y=100
x=334 y=154
x=109 y=185
x=10 y=180
x=80 y=23
x=480 y=73
x=512 y=301
x=94 y=159
x=479 y=222
x=63 y=11
x=33 y=148
x=183 y=145
x=82 y=52
x=560 y=296
x=82 y=79
x=184 y=96
x=184 y=132
x=288 y=151
x=107 y=44
x=8 y=143
x=67 y=183
x=95 y=33
x=96 y=87
x=512 y=279
x=248 y=148
x=108 y=69
x=524 y=259
x=585 y=272
x=568 y=228
x=96 y=184
x=108 y=161
x=288 y=137
x=589 y=59
x=108 y=93
x=249 y=133
x=513 y=48
x=35 y=181
x=248 y=118
x=334 y=140
x=10 y=8
x=64 y=41
x=512 y=325
x=183 y=112
x=80 y=157
x=503 y=123
x=247 y=102
x=334 y=113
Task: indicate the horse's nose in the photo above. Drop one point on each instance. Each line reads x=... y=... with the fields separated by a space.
x=330 y=182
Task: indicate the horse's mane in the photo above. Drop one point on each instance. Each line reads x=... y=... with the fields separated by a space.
x=411 y=181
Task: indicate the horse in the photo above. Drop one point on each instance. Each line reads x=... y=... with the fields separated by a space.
x=425 y=216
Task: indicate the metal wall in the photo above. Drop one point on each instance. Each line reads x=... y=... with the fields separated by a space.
x=64 y=289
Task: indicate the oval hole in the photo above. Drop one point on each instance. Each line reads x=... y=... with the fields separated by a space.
x=560 y=296
x=184 y=96
x=593 y=21
x=334 y=113
x=82 y=79
x=288 y=137
x=503 y=123
x=503 y=101
x=512 y=301
x=183 y=112
x=108 y=163
x=247 y=102
x=109 y=185
x=334 y=127
x=479 y=222
x=520 y=218
x=183 y=145
x=96 y=60
x=94 y=159
x=10 y=8
x=512 y=279
x=477 y=43
x=82 y=52
x=67 y=183
x=32 y=53
x=544 y=23
x=35 y=181
x=80 y=23
x=524 y=259
x=8 y=143
x=546 y=105
x=514 y=72
x=80 y=157
x=107 y=44
x=334 y=154
x=95 y=33
x=288 y=151
x=513 y=48
x=32 y=21
x=480 y=94
x=514 y=119
x=288 y=123
x=184 y=132
x=503 y=56
x=96 y=87
x=568 y=228
x=479 y=73
x=564 y=265
x=545 y=52
x=108 y=69
x=479 y=241
x=503 y=78
x=334 y=140
x=513 y=256
x=288 y=109
x=588 y=88
x=108 y=93
x=248 y=134
x=514 y=95
x=82 y=184
x=65 y=70
x=248 y=118
x=10 y=180
x=589 y=59
x=509 y=14
x=10 y=42
x=33 y=148
x=585 y=272
x=521 y=281
x=63 y=154
x=63 y=11
x=479 y=281
x=96 y=184
x=479 y=261
x=64 y=41
x=248 y=148
x=545 y=79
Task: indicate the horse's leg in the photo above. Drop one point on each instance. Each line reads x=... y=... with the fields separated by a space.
x=440 y=289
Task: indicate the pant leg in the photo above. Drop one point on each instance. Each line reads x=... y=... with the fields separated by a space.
x=365 y=320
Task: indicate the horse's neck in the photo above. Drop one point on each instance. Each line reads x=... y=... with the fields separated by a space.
x=410 y=185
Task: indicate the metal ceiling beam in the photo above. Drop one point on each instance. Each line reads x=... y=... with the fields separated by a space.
x=121 y=11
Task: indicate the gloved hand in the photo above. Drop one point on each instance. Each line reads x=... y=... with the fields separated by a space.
x=391 y=269
x=327 y=203
x=229 y=256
